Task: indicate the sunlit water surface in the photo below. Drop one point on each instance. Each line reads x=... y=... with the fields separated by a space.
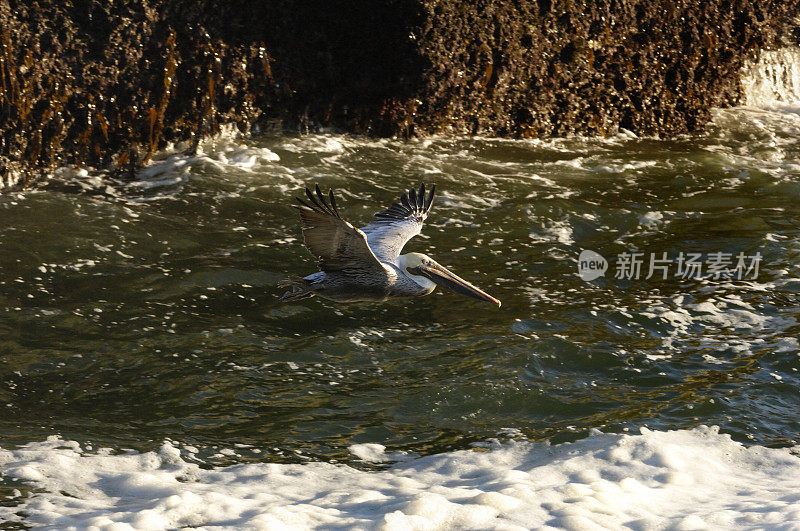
x=134 y=312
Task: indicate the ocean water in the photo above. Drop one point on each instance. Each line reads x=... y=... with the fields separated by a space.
x=151 y=378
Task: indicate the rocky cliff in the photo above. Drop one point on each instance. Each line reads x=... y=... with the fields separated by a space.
x=106 y=84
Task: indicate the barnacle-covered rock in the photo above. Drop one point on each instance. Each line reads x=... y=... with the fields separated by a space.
x=108 y=83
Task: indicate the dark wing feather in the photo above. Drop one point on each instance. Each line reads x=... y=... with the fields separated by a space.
x=337 y=244
x=393 y=227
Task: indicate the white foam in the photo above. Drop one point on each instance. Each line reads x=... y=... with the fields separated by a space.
x=370 y=452
x=224 y=153
x=553 y=231
x=774 y=79
x=678 y=479
x=623 y=167
x=650 y=219
x=322 y=143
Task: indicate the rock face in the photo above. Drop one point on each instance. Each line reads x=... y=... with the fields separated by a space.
x=108 y=83
x=589 y=67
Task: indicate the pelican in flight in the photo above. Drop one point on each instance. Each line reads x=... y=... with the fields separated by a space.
x=365 y=264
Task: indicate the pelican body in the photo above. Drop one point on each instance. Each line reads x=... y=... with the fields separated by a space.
x=365 y=264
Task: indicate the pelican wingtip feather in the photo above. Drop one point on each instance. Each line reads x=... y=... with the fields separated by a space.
x=413 y=203
x=319 y=202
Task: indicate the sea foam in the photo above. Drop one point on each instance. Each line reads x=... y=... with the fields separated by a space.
x=688 y=479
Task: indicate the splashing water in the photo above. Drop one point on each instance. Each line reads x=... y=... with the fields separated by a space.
x=773 y=80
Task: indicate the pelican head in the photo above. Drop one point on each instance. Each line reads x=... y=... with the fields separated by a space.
x=427 y=273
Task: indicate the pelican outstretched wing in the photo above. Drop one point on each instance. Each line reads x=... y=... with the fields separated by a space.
x=393 y=227
x=336 y=243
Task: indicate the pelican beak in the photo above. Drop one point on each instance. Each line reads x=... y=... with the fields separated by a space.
x=442 y=277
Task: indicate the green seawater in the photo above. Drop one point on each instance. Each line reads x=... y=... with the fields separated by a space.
x=137 y=311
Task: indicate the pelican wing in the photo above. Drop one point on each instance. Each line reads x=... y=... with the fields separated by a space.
x=393 y=227
x=336 y=243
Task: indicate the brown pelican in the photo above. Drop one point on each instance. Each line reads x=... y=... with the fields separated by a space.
x=365 y=264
